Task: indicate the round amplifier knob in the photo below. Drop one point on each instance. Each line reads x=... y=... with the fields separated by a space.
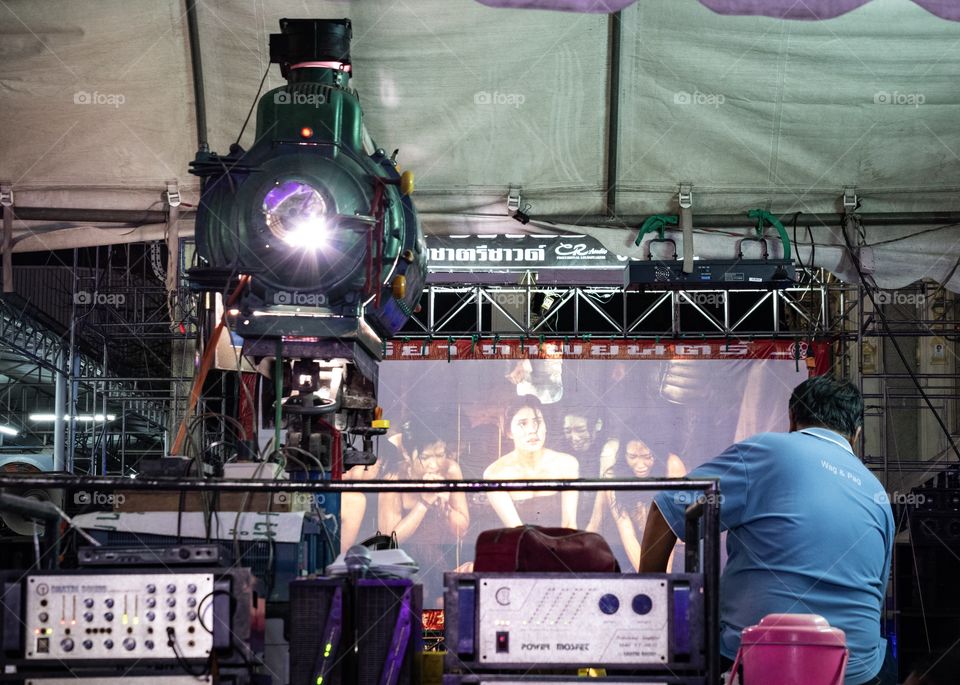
x=171 y=601
x=191 y=588
x=191 y=601
x=148 y=644
x=109 y=603
x=151 y=602
x=609 y=604
x=88 y=644
x=88 y=602
x=171 y=588
x=129 y=644
x=108 y=616
x=171 y=616
x=642 y=604
x=43 y=616
x=191 y=615
x=66 y=644
x=151 y=615
x=184 y=553
x=108 y=644
x=151 y=588
x=88 y=616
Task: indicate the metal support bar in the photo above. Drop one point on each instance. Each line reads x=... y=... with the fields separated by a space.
x=6 y=200
x=111 y=484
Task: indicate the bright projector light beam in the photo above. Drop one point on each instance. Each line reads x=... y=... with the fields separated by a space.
x=309 y=233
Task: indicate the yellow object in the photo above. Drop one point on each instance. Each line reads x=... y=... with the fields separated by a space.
x=406 y=183
x=431 y=668
x=399 y=287
x=381 y=423
x=592 y=672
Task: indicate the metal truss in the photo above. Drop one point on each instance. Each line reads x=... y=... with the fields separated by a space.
x=22 y=335
x=524 y=311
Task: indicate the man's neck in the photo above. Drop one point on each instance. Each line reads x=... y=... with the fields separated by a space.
x=846 y=438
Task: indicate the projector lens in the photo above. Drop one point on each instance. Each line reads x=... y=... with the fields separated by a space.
x=296 y=213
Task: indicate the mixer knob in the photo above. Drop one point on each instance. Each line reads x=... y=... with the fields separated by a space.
x=43 y=616
x=192 y=615
x=191 y=588
x=151 y=615
x=129 y=644
x=108 y=616
x=108 y=644
x=171 y=616
x=88 y=644
x=66 y=644
x=148 y=644
x=171 y=588
x=191 y=601
x=109 y=603
x=88 y=616
x=151 y=602
x=88 y=602
x=151 y=588
x=171 y=601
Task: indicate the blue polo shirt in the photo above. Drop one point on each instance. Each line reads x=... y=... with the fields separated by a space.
x=810 y=531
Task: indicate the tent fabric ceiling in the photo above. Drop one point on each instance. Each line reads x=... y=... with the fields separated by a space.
x=818 y=9
x=780 y=9
x=752 y=111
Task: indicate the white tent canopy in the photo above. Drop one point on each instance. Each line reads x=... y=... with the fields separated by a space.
x=98 y=109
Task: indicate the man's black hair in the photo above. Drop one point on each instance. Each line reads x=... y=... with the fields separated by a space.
x=828 y=402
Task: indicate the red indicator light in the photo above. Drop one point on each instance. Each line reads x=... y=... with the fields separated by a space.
x=306 y=132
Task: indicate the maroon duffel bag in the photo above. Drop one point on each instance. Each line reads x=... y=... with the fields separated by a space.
x=544 y=550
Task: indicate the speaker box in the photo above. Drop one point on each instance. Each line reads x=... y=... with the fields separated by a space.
x=389 y=631
x=360 y=632
x=317 y=619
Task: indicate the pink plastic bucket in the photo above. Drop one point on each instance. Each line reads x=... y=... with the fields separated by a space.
x=792 y=649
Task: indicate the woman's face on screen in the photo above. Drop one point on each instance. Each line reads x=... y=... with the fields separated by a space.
x=639 y=458
x=528 y=430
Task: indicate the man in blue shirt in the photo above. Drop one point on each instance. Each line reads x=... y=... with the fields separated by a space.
x=810 y=530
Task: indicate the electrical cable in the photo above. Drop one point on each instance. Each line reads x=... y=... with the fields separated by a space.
x=172 y=644
x=912 y=235
x=252 y=105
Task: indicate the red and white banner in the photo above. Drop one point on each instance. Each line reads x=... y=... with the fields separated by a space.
x=813 y=354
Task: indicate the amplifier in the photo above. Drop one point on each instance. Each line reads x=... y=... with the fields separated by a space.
x=172 y=555
x=621 y=622
x=82 y=618
x=728 y=274
x=355 y=632
x=937 y=499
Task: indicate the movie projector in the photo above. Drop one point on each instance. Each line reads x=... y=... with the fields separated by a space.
x=314 y=231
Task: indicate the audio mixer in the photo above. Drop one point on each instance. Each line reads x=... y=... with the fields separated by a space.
x=118 y=616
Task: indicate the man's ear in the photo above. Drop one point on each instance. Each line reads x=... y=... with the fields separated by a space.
x=855 y=438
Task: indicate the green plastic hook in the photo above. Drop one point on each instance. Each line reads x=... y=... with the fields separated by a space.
x=762 y=215
x=656 y=223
